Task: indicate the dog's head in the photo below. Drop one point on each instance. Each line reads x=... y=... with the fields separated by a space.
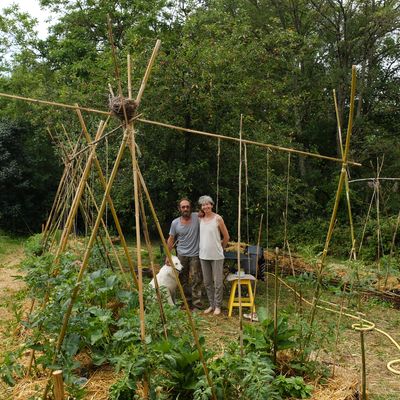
x=177 y=264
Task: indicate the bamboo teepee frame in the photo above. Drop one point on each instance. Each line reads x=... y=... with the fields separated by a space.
x=129 y=140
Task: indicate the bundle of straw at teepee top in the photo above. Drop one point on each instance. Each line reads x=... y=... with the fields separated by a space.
x=117 y=104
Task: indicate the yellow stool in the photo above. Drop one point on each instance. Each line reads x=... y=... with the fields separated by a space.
x=245 y=280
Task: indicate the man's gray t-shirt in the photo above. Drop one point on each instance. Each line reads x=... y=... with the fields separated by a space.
x=187 y=236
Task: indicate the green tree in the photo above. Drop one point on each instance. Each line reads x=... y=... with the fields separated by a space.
x=28 y=177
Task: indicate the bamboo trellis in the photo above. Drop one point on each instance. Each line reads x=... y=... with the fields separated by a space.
x=129 y=140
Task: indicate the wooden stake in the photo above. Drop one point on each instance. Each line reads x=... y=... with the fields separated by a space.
x=58 y=385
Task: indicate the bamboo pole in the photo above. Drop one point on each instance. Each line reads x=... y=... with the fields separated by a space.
x=151 y=256
x=78 y=195
x=363 y=368
x=132 y=148
x=362 y=329
x=58 y=385
x=378 y=220
x=285 y=218
x=187 y=309
x=392 y=246
x=257 y=269
x=147 y=72
x=53 y=103
x=129 y=67
x=85 y=261
x=95 y=142
x=276 y=304
x=353 y=253
x=244 y=141
x=58 y=191
x=110 y=202
x=337 y=199
x=239 y=234
x=218 y=172
x=374 y=179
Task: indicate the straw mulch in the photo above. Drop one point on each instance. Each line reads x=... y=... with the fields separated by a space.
x=97 y=387
x=27 y=388
x=343 y=386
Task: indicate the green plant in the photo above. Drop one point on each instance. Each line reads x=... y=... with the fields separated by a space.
x=292 y=387
x=10 y=368
x=34 y=245
x=260 y=338
x=237 y=376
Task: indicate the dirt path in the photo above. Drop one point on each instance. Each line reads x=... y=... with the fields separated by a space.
x=10 y=283
x=10 y=286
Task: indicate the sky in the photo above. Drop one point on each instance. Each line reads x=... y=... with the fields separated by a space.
x=33 y=8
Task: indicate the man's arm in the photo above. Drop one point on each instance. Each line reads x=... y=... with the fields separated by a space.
x=171 y=242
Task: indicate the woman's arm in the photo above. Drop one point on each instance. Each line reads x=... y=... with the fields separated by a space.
x=224 y=232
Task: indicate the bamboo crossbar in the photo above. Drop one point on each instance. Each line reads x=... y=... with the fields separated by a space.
x=374 y=179
x=52 y=103
x=194 y=131
x=233 y=139
x=75 y=154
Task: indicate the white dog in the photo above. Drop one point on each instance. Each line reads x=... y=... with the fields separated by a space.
x=166 y=278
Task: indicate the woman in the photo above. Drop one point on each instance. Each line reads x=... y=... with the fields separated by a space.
x=211 y=253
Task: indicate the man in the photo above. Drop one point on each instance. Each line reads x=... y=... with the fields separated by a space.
x=184 y=234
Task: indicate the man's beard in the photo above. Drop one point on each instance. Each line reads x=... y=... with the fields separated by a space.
x=186 y=214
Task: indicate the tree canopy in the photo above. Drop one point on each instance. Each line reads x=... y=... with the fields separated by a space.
x=275 y=62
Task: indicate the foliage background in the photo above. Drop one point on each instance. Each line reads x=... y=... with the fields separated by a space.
x=274 y=62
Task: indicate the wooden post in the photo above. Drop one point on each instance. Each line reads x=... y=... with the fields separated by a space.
x=58 y=385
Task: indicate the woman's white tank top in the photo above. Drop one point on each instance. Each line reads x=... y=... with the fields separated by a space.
x=210 y=240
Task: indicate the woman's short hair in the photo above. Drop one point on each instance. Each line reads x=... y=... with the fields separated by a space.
x=206 y=199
